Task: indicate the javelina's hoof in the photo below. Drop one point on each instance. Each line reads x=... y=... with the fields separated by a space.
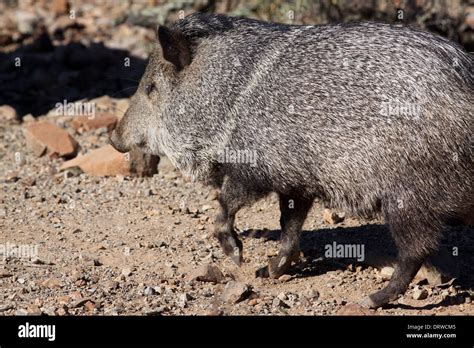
x=368 y=303
x=277 y=266
x=237 y=257
x=378 y=299
x=231 y=246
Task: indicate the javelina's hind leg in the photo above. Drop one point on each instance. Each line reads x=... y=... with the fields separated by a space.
x=293 y=213
x=405 y=269
x=415 y=241
x=233 y=196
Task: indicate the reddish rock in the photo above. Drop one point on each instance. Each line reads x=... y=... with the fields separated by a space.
x=60 y=7
x=44 y=137
x=106 y=161
x=98 y=121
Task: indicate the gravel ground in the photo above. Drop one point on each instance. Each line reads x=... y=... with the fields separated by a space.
x=131 y=246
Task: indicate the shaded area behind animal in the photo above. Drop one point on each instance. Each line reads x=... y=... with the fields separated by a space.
x=37 y=76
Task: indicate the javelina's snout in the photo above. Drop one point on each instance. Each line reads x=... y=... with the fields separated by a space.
x=117 y=142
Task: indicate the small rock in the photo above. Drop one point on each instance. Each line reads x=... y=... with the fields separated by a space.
x=126 y=272
x=332 y=218
x=8 y=114
x=208 y=273
x=279 y=303
x=49 y=310
x=28 y=118
x=387 y=272
x=51 y=283
x=183 y=299
x=90 y=306
x=107 y=161
x=420 y=294
x=149 y=291
x=100 y=120
x=62 y=311
x=235 y=292
x=285 y=278
x=154 y=311
x=206 y=207
x=4 y=274
x=59 y=7
x=253 y=302
x=33 y=310
x=44 y=137
x=79 y=302
x=282 y=296
x=37 y=261
x=26 y=22
x=96 y=263
x=21 y=312
x=440 y=268
x=103 y=103
x=312 y=294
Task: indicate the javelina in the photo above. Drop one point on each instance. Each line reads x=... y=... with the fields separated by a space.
x=371 y=117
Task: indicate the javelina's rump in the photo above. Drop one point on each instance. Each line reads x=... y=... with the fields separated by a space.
x=371 y=117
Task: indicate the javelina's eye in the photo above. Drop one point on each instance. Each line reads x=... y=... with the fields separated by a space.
x=149 y=88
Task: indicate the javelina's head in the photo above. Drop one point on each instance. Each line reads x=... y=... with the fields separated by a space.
x=142 y=124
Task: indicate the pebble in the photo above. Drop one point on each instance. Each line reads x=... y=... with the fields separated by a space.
x=420 y=294
x=208 y=273
x=387 y=272
x=285 y=278
x=311 y=294
x=235 y=292
x=149 y=291
x=21 y=312
x=278 y=303
x=126 y=272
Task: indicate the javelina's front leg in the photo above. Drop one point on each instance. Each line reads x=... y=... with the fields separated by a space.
x=233 y=196
x=293 y=213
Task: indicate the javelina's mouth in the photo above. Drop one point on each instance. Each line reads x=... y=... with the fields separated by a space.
x=117 y=144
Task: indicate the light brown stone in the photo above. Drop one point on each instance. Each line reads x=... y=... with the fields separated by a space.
x=106 y=161
x=44 y=137
x=331 y=217
x=98 y=121
x=8 y=114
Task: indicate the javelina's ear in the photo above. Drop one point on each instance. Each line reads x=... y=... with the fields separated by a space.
x=174 y=47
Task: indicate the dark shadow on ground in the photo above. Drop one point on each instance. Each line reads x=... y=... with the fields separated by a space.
x=379 y=249
x=37 y=76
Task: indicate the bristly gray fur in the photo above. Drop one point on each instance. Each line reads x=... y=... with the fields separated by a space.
x=312 y=101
